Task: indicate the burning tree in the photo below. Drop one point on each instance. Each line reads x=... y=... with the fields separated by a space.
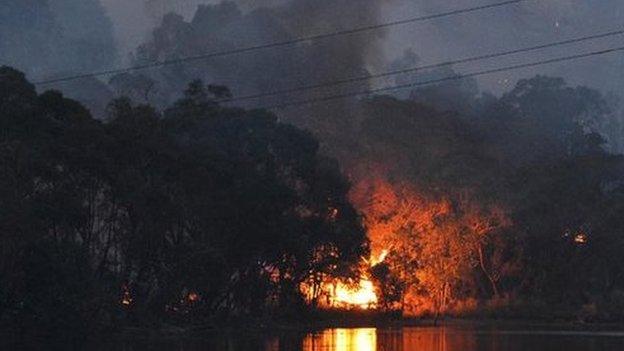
x=433 y=245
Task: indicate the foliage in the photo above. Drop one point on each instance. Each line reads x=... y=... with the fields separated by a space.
x=200 y=213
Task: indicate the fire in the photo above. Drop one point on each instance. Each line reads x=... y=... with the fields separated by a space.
x=363 y=295
x=340 y=294
x=126 y=298
x=126 y=301
x=580 y=238
x=379 y=259
x=193 y=297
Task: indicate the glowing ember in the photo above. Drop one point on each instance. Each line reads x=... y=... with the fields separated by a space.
x=363 y=295
x=193 y=297
x=126 y=298
x=580 y=238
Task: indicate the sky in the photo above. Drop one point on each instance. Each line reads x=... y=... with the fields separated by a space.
x=515 y=26
x=531 y=23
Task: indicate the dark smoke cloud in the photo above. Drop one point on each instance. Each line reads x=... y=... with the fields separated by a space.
x=134 y=20
x=52 y=37
x=526 y=24
x=226 y=25
x=529 y=23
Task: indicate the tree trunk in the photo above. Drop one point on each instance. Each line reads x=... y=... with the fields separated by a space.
x=485 y=271
x=441 y=304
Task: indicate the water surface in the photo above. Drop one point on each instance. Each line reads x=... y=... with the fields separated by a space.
x=392 y=339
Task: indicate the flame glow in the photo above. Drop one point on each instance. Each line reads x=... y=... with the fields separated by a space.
x=193 y=297
x=382 y=256
x=126 y=299
x=363 y=295
x=580 y=238
x=339 y=294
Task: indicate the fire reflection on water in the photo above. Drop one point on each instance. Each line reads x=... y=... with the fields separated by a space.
x=402 y=339
x=360 y=339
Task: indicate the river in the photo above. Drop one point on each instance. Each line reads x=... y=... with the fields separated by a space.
x=391 y=339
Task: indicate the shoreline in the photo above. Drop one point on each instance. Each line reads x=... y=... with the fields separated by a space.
x=274 y=328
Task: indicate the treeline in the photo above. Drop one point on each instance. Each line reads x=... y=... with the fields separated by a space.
x=507 y=206
x=202 y=214
x=194 y=215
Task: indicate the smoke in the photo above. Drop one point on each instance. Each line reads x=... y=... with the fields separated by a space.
x=229 y=25
x=49 y=38
x=33 y=30
x=53 y=37
x=506 y=28
x=134 y=20
x=203 y=26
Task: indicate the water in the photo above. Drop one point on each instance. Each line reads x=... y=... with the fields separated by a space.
x=397 y=339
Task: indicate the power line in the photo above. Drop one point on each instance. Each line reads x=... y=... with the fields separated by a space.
x=420 y=68
x=440 y=80
x=280 y=43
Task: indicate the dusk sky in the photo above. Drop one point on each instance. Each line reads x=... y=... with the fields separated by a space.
x=527 y=24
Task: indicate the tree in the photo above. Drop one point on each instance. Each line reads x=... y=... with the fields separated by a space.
x=201 y=213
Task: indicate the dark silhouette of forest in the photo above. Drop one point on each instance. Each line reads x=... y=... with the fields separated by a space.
x=203 y=214
x=198 y=199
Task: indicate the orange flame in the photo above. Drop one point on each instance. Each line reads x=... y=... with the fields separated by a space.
x=580 y=238
x=363 y=295
x=193 y=297
x=126 y=298
x=382 y=257
x=344 y=295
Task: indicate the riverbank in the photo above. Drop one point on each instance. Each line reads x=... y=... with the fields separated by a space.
x=315 y=321
x=452 y=335
x=369 y=320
